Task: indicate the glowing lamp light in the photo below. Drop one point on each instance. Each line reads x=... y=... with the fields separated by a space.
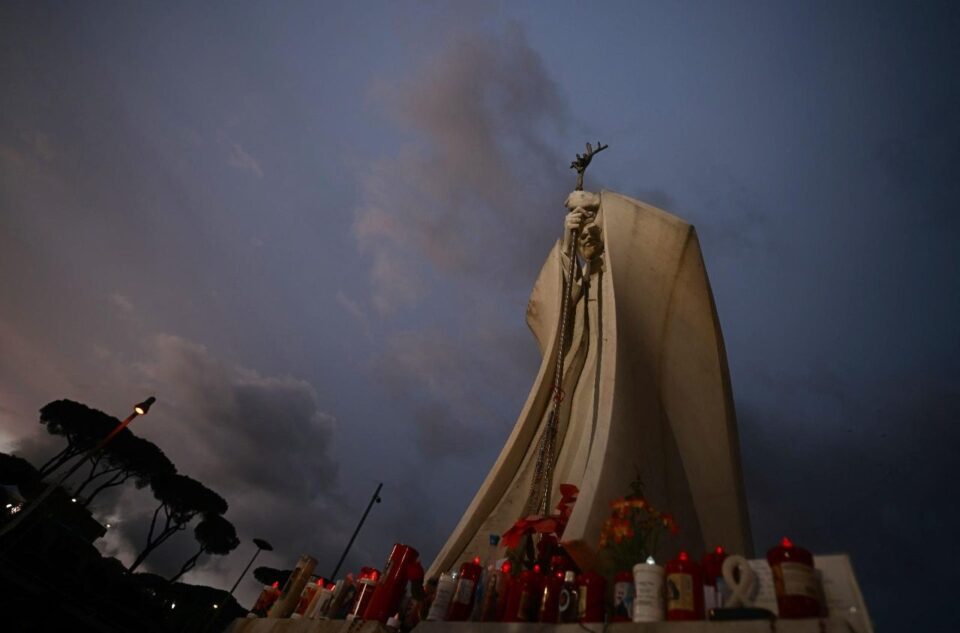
x=719 y=549
x=650 y=560
x=9 y=505
x=144 y=406
x=476 y=560
x=276 y=584
x=173 y=605
x=683 y=556
x=505 y=568
x=786 y=542
x=216 y=606
x=73 y=500
x=536 y=569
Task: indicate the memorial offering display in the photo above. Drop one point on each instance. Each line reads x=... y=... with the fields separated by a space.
x=618 y=495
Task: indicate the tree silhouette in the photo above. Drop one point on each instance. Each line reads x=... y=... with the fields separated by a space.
x=269 y=575
x=81 y=426
x=127 y=456
x=181 y=499
x=216 y=535
x=16 y=471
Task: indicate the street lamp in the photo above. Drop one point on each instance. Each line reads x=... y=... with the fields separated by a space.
x=261 y=545
x=143 y=407
x=138 y=409
x=374 y=499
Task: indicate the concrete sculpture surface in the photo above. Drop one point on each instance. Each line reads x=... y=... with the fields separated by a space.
x=645 y=388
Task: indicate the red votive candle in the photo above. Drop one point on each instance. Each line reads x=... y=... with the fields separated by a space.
x=623 y=597
x=461 y=604
x=684 y=589
x=400 y=565
x=522 y=605
x=550 y=602
x=712 y=570
x=593 y=589
x=795 y=581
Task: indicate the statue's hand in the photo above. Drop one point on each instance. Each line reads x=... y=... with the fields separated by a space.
x=575 y=219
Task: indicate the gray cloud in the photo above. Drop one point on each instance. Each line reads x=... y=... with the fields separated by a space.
x=261 y=442
x=464 y=197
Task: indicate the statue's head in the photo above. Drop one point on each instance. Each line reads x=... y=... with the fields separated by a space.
x=583 y=199
x=590 y=243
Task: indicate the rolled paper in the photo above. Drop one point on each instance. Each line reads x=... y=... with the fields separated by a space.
x=290 y=595
x=306 y=597
x=740 y=590
x=648 y=599
x=311 y=610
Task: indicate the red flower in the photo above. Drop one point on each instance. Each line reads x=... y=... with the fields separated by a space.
x=511 y=538
x=552 y=524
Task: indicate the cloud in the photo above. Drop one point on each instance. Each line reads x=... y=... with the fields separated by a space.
x=263 y=442
x=470 y=188
x=243 y=161
x=467 y=207
x=355 y=310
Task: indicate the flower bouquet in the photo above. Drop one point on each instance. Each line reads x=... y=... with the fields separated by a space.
x=632 y=532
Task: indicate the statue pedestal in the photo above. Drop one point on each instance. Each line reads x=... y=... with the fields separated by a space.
x=826 y=625
x=286 y=625
x=267 y=625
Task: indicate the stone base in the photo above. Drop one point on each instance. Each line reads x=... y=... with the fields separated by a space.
x=825 y=625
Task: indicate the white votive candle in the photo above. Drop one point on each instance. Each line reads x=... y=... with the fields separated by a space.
x=648 y=588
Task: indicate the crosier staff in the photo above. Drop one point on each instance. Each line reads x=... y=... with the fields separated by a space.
x=539 y=498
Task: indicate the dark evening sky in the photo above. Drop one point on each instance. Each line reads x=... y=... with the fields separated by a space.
x=310 y=230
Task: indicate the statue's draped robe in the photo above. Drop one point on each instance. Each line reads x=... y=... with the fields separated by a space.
x=647 y=391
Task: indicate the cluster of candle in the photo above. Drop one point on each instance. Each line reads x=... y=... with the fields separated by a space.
x=369 y=596
x=493 y=594
x=683 y=589
x=687 y=590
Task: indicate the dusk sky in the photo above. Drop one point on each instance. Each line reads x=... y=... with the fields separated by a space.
x=310 y=230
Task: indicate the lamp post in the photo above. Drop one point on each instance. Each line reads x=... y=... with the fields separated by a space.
x=261 y=545
x=138 y=409
x=374 y=499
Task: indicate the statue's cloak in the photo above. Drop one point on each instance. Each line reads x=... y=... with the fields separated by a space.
x=659 y=398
